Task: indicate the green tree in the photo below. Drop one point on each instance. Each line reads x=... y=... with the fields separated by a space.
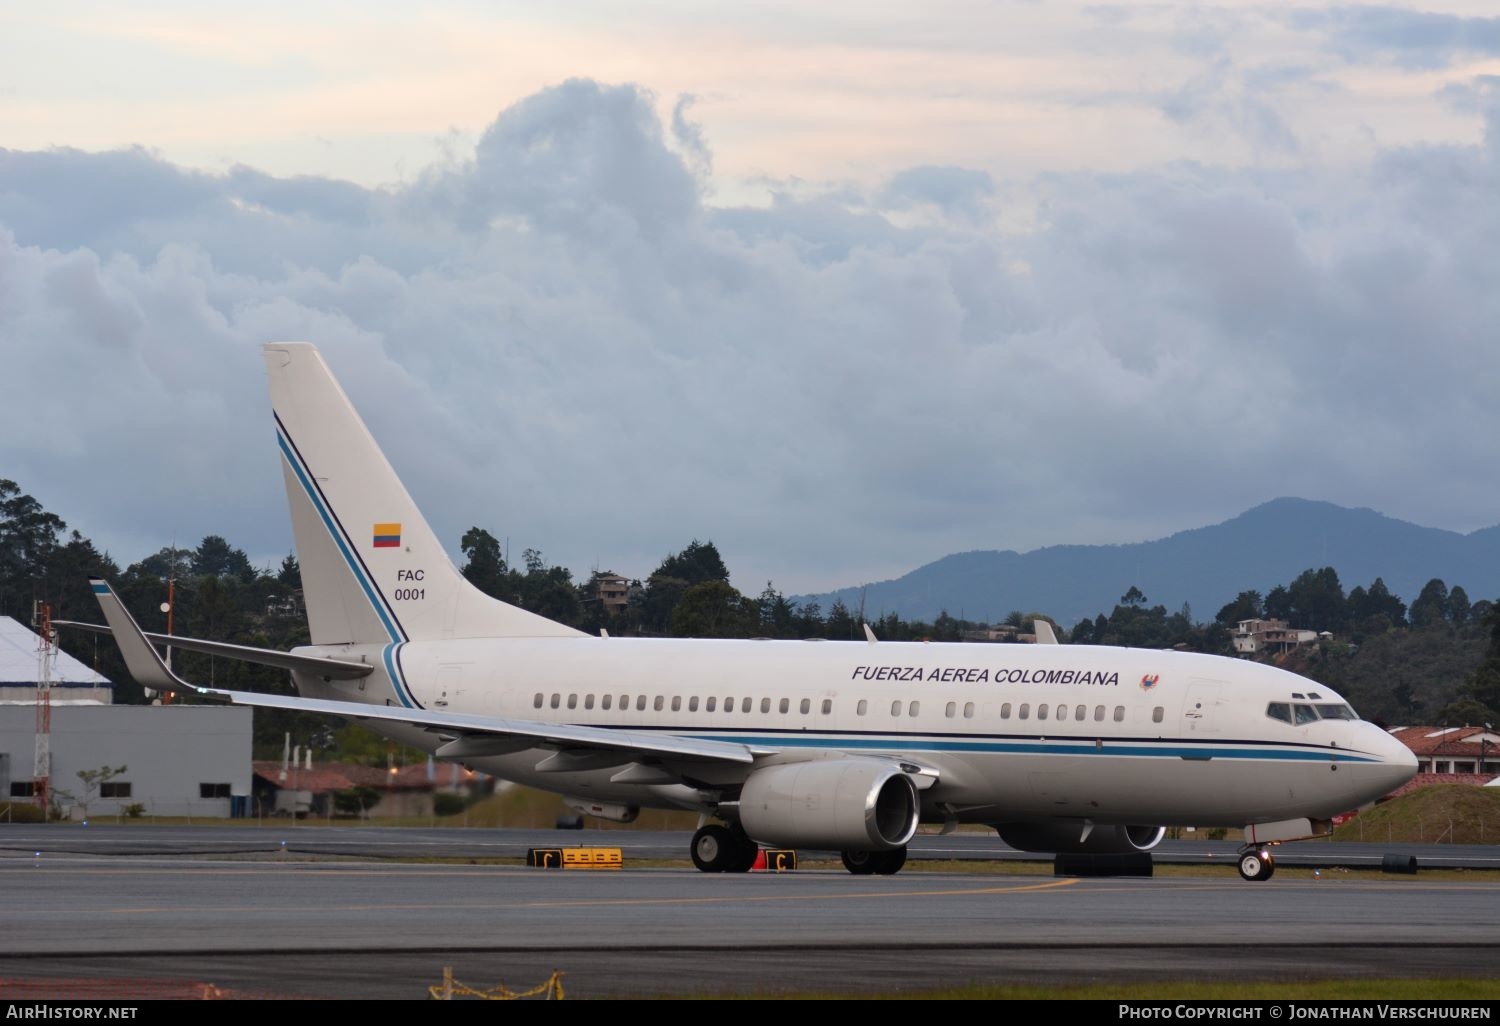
x=1246 y=606
x=1317 y=600
x=777 y=615
x=290 y=574
x=841 y=624
x=1458 y=607
x=215 y=557
x=484 y=565
x=1479 y=701
x=1430 y=609
x=90 y=781
x=713 y=609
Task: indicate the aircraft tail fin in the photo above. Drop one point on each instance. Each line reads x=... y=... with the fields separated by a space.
x=372 y=569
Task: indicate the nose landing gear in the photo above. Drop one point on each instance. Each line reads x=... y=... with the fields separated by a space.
x=1257 y=864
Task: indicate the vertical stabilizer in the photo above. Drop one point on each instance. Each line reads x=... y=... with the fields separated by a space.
x=372 y=570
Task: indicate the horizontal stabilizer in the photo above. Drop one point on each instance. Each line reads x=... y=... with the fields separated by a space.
x=337 y=669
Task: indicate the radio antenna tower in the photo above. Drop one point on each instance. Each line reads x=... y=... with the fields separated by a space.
x=46 y=659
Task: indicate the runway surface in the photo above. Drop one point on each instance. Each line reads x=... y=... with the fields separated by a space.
x=166 y=902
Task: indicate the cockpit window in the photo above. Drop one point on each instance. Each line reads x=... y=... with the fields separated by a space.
x=1297 y=694
x=1314 y=695
x=1336 y=711
x=1305 y=714
x=1280 y=711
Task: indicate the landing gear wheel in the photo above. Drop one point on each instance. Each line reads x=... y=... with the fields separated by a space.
x=864 y=863
x=745 y=851
x=1257 y=865
x=712 y=849
x=723 y=849
x=890 y=862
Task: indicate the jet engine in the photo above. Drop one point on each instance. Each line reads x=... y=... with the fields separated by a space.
x=1073 y=837
x=834 y=804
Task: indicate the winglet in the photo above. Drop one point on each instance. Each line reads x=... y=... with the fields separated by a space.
x=869 y=634
x=141 y=658
x=1044 y=633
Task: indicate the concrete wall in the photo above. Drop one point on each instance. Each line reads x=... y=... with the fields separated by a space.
x=169 y=753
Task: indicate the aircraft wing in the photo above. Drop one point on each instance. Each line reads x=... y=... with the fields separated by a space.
x=466 y=735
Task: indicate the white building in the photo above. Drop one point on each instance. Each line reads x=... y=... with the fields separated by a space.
x=180 y=760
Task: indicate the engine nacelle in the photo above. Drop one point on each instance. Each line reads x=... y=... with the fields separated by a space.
x=604 y=810
x=833 y=804
x=1068 y=838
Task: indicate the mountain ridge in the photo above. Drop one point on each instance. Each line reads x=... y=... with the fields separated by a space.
x=1205 y=567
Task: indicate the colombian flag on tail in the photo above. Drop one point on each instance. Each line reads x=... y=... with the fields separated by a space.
x=387 y=536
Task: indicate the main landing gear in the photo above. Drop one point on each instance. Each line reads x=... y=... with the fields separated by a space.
x=723 y=849
x=1257 y=864
x=882 y=863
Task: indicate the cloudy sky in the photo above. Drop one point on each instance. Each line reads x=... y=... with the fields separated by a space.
x=843 y=288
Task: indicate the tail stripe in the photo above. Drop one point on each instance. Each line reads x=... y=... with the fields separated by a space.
x=351 y=557
x=340 y=537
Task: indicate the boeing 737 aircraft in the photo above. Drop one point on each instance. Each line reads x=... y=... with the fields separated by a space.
x=841 y=746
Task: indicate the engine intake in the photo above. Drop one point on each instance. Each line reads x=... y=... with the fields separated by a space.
x=1068 y=838
x=833 y=804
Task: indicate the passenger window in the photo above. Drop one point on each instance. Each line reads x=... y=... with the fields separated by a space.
x=692 y=703
x=785 y=705
x=912 y=709
x=806 y=706
x=896 y=707
x=676 y=703
x=729 y=705
x=859 y=710
x=745 y=703
x=712 y=701
x=556 y=700
x=1041 y=711
x=1305 y=714
x=1081 y=713
x=827 y=706
x=1280 y=711
x=968 y=710
x=1025 y=711
x=604 y=703
x=1062 y=710
x=537 y=702
x=640 y=703
x=1004 y=710
x=572 y=701
x=765 y=705
x=950 y=710
x=624 y=703
x=1119 y=714
x=588 y=701
x=1156 y=714
x=658 y=703
x=1099 y=713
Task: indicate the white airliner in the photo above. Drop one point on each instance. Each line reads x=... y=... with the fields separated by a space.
x=841 y=746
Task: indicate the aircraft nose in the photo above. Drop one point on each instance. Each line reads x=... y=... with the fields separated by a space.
x=1398 y=763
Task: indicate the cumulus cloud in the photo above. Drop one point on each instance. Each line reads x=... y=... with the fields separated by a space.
x=1418 y=39
x=957 y=191
x=557 y=338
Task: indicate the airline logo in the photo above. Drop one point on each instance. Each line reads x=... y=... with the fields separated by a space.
x=387 y=536
x=1149 y=681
